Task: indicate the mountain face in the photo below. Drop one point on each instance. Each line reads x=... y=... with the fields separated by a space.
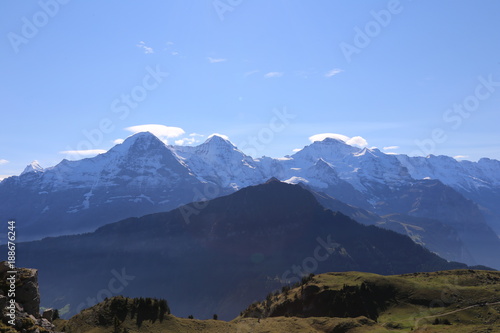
x=236 y=248
x=143 y=175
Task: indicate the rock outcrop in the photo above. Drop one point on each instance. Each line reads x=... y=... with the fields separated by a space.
x=20 y=301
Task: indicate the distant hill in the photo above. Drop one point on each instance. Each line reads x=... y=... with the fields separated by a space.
x=231 y=251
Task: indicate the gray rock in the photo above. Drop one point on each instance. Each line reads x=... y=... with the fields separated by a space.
x=27 y=292
x=48 y=314
x=4 y=267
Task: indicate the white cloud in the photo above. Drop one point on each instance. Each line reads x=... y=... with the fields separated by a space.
x=2 y=177
x=273 y=75
x=80 y=153
x=3 y=161
x=118 y=141
x=221 y=135
x=296 y=150
x=186 y=141
x=391 y=147
x=216 y=60
x=460 y=157
x=196 y=134
x=354 y=141
x=147 y=49
x=161 y=131
x=333 y=72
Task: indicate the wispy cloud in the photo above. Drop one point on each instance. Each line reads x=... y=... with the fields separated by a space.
x=296 y=150
x=2 y=161
x=89 y=152
x=161 y=131
x=196 y=134
x=390 y=148
x=216 y=60
x=118 y=141
x=251 y=73
x=273 y=75
x=147 y=49
x=333 y=72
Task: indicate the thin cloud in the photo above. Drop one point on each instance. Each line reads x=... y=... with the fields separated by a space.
x=390 y=148
x=88 y=152
x=251 y=73
x=296 y=150
x=147 y=49
x=118 y=141
x=161 y=131
x=216 y=60
x=196 y=134
x=273 y=75
x=333 y=72
x=2 y=161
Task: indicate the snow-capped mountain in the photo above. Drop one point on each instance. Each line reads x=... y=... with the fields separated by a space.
x=217 y=160
x=137 y=177
x=143 y=175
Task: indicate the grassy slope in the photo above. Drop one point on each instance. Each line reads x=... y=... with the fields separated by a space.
x=462 y=297
x=240 y=325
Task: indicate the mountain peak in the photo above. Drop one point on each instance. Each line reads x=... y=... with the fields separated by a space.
x=141 y=136
x=273 y=180
x=218 y=140
x=333 y=141
x=32 y=167
x=141 y=140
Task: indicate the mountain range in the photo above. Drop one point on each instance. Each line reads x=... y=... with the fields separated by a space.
x=446 y=205
x=238 y=248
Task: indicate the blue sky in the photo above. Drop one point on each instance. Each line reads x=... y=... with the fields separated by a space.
x=418 y=77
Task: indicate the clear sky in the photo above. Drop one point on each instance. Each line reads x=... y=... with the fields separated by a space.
x=414 y=77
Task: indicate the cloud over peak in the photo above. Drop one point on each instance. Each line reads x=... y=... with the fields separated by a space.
x=161 y=131
x=356 y=141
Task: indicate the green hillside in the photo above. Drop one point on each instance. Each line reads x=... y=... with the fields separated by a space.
x=446 y=301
